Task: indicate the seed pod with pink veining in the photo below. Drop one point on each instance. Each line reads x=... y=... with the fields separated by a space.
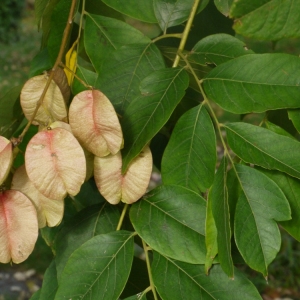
x=6 y=158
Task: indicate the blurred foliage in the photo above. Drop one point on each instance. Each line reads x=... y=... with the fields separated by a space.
x=10 y=15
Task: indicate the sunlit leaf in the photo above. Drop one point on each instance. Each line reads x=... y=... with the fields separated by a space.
x=71 y=63
x=18 y=226
x=169 y=212
x=55 y=163
x=257 y=18
x=265 y=148
x=223 y=6
x=6 y=158
x=255 y=83
x=95 y=123
x=190 y=157
x=176 y=280
x=91 y=221
x=49 y=211
x=53 y=107
x=261 y=202
x=161 y=91
x=99 y=269
x=129 y=187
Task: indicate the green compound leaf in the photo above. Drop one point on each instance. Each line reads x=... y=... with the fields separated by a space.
x=267 y=19
x=259 y=205
x=103 y=35
x=218 y=195
x=217 y=49
x=177 y=280
x=89 y=222
x=99 y=269
x=291 y=188
x=172 y=13
x=170 y=212
x=255 y=83
x=264 y=148
x=190 y=157
x=161 y=91
x=120 y=76
x=141 y=10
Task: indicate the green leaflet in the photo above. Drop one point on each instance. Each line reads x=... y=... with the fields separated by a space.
x=223 y=6
x=120 y=76
x=190 y=157
x=161 y=91
x=264 y=148
x=210 y=237
x=172 y=13
x=169 y=212
x=49 y=287
x=141 y=10
x=266 y=19
x=218 y=195
x=89 y=222
x=98 y=269
x=182 y=281
x=217 y=49
x=291 y=188
x=255 y=83
x=103 y=35
x=11 y=113
x=260 y=203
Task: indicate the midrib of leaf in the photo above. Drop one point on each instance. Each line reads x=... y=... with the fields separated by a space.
x=170 y=216
x=101 y=30
x=109 y=263
x=192 y=278
x=249 y=82
x=154 y=110
x=132 y=75
x=263 y=151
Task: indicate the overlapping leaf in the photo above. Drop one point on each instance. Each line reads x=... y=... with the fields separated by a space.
x=255 y=83
x=49 y=211
x=130 y=187
x=103 y=35
x=95 y=123
x=265 y=148
x=223 y=6
x=268 y=19
x=63 y=163
x=18 y=227
x=218 y=195
x=169 y=212
x=6 y=158
x=141 y=10
x=120 y=76
x=99 y=269
x=11 y=113
x=53 y=107
x=217 y=49
x=177 y=280
x=261 y=202
x=291 y=188
x=91 y=221
x=172 y=13
x=161 y=91
x=190 y=157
